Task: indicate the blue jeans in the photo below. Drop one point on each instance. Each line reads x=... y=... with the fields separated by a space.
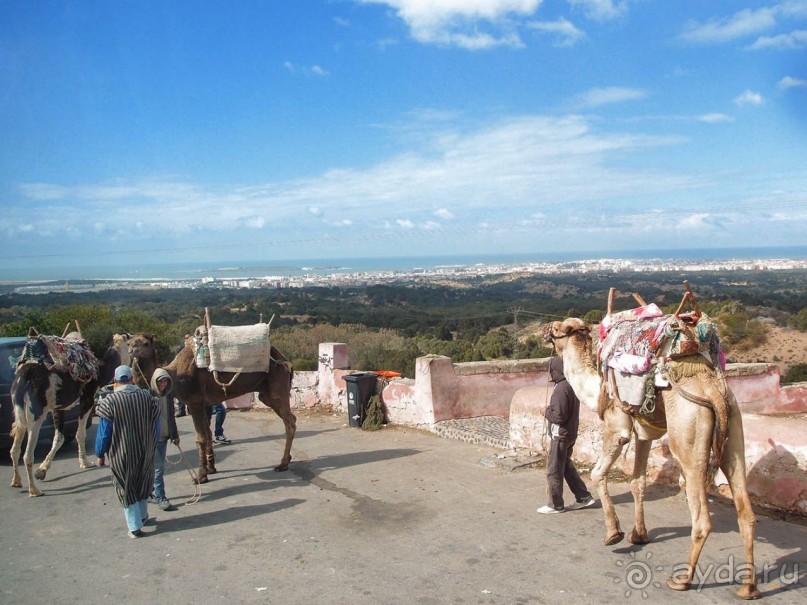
x=221 y=413
x=158 y=490
x=135 y=514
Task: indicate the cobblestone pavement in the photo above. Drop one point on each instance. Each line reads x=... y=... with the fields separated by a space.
x=484 y=430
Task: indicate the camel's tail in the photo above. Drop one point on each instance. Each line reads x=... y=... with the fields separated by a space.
x=18 y=389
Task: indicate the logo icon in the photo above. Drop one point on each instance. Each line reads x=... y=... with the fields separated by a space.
x=639 y=575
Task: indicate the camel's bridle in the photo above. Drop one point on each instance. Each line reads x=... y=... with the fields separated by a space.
x=135 y=361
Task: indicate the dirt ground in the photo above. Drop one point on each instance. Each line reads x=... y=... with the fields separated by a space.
x=784 y=347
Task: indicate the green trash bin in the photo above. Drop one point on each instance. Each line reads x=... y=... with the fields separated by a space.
x=360 y=387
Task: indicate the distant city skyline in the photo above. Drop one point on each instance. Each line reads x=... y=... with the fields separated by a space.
x=151 y=132
x=339 y=270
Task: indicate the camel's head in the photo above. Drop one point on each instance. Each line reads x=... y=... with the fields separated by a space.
x=558 y=332
x=141 y=346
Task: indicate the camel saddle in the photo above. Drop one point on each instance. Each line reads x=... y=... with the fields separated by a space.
x=65 y=355
x=633 y=342
x=233 y=348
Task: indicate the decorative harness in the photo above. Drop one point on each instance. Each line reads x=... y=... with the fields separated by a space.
x=552 y=336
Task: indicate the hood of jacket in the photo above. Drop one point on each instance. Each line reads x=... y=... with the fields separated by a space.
x=556 y=370
x=161 y=373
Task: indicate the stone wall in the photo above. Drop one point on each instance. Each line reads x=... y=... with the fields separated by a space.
x=774 y=424
x=774 y=417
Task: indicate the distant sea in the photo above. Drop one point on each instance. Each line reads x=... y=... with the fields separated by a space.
x=295 y=268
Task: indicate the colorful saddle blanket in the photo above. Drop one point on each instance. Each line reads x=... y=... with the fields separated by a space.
x=631 y=342
x=65 y=355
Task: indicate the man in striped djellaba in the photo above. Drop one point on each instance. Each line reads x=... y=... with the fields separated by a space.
x=127 y=433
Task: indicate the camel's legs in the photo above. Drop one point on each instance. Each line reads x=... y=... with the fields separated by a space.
x=28 y=457
x=612 y=447
x=280 y=403
x=638 y=482
x=18 y=430
x=204 y=439
x=733 y=467
x=81 y=438
x=58 y=441
x=691 y=451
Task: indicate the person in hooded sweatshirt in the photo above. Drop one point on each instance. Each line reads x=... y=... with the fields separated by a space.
x=127 y=430
x=162 y=389
x=563 y=415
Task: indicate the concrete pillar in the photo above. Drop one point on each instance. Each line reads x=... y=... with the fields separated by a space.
x=435 y=387
x=332 y=356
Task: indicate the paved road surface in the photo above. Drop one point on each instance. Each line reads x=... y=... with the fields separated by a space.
x=397 y=516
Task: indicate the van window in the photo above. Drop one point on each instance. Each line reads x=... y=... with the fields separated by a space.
x=8 y=363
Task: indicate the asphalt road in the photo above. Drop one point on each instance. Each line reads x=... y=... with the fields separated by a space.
x=397 y=516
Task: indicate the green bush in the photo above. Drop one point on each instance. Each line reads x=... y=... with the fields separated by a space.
x=796 y=373
x=799 y=320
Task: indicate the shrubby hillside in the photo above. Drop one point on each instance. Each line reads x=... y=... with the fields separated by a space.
x=389 y=326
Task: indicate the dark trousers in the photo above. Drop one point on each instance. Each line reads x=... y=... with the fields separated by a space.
x=221 y=413
x=560 y=467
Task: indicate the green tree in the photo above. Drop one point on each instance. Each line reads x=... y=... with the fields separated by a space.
x=594 y=316
x=496 y=344
x=799 y=320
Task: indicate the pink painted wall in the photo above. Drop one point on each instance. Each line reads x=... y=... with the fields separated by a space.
x=774 y=417
x=775 y=445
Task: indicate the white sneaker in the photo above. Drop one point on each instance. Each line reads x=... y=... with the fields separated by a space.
x=549 y=510
x=583 y=503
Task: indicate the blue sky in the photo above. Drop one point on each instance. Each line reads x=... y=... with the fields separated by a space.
x=140 y=132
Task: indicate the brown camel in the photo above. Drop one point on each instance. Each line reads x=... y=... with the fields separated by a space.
x=198 y=388
x=703 y=434
x=44 y=384
x=135 y=350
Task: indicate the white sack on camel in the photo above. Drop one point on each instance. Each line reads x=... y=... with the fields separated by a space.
x=239 y=348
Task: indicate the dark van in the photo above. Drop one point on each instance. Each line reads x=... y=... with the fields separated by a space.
x=10 y=350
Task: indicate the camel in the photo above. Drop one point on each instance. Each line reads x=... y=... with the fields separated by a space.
x=135 y=350
x=44 y=384
x=705 y=431
x=198 y=387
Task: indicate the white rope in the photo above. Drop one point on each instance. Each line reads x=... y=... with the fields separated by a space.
x=197 y=488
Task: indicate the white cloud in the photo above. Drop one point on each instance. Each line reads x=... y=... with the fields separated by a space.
x=714 y=118
x=43 y=191
x=749 y=97
x=789 y=82
x=313 y=71
x=792 y=41
x=512 y=168
x=26 y=228
x=793 y=8
x=462 y=23
x=384 y=43
x=597 y=97
x=695 y=221
x=601 y=10
x=255 y=222
x=565 y=32
x=746 y=22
